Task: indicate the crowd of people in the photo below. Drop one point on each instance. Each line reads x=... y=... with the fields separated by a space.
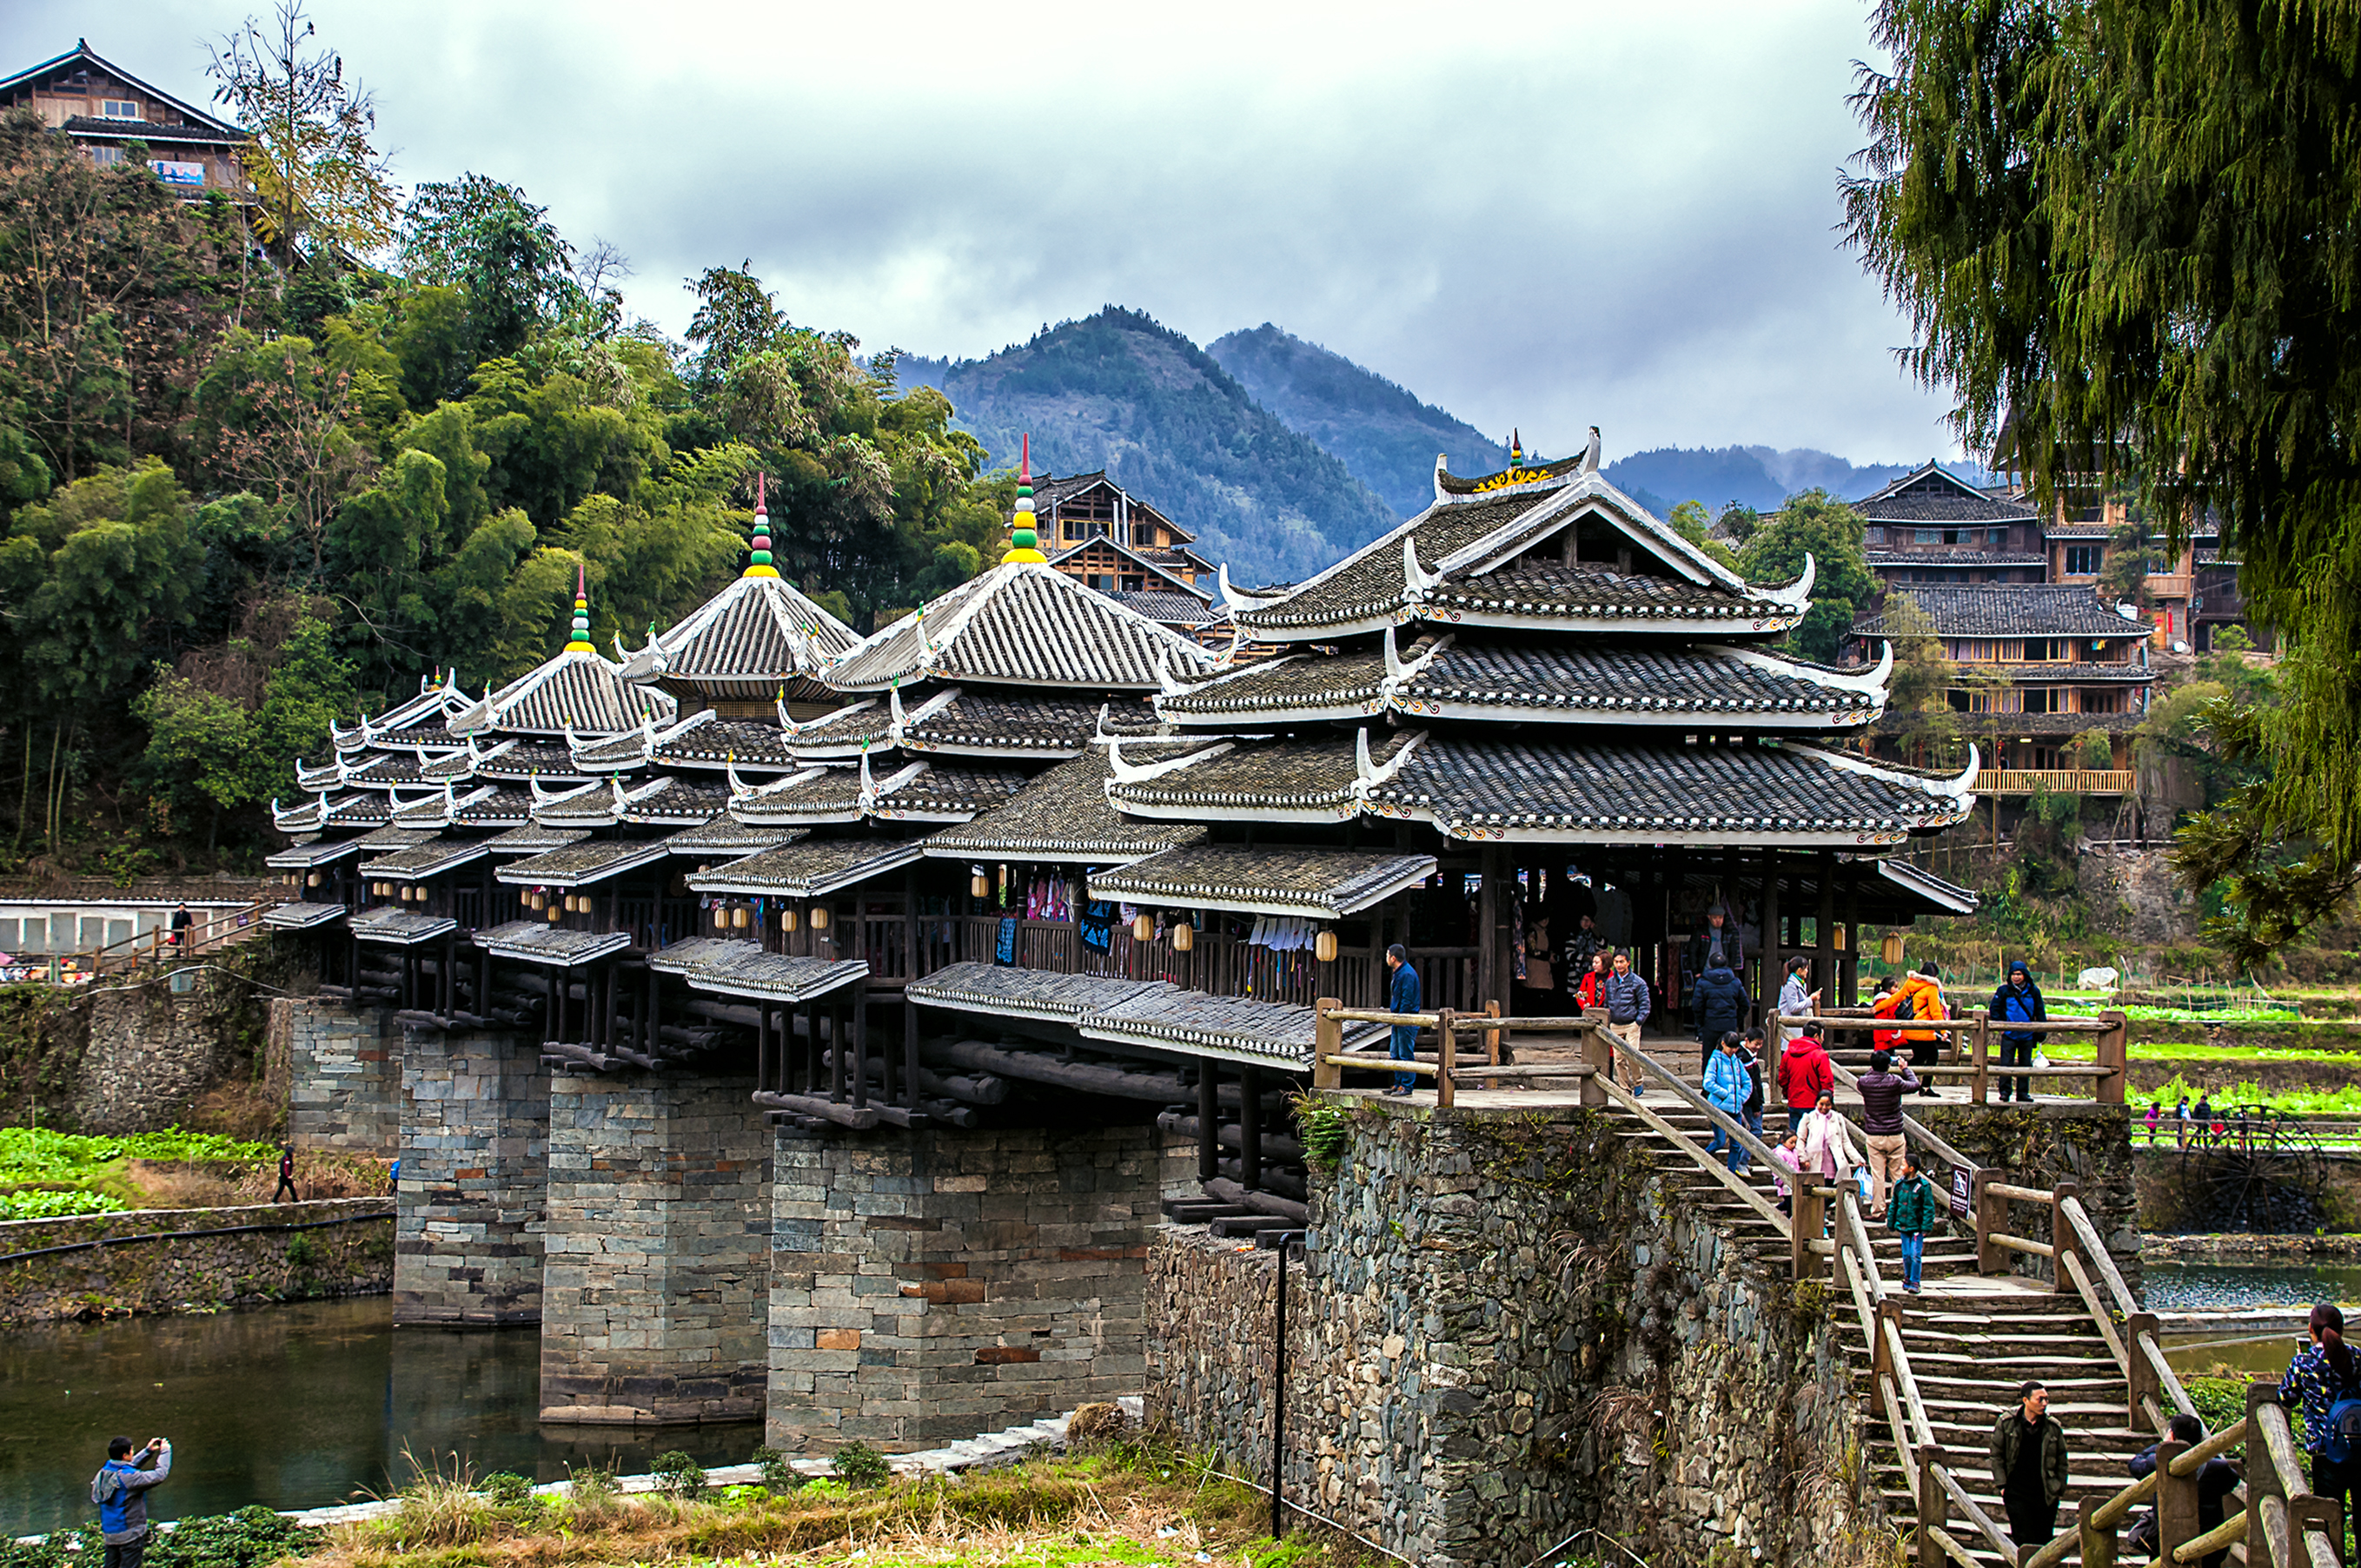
x=2202 y=1124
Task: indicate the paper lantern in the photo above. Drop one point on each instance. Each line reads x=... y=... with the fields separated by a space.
x=788 y=921
x=1143 y=927
x=578 y=903
x=738 y=918
x=1324 y=947
x=313 y=881
x=525 y=897
x=540 y=900
x=554 y=912
x=1184 y=937
x=980 y=886
x=1890 y=949
x=819 y=916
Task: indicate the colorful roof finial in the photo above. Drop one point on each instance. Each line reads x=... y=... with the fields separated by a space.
x=1516 y=449
x=758 y=558
x=1023 y=544
x=580 y=642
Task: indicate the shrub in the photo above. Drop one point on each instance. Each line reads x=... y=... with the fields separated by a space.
x=591 y=1494
x=508 y=1488
x=678 y=1476
x=861 y=1465
x=253 y=1537
x=302 y=1252
x=779 y=1473
x=439 y=1510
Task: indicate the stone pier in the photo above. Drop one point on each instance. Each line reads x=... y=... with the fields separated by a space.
x=474 y=1144
x=656 y=1254
x=928 y=1286
x=343 y=1087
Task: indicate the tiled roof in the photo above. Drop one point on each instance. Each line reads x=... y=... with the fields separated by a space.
x=525 y=759
x=579 y=865
x=684 y=804
x=1477 y=676
x=1295 y=780
x=1936 y=559
x=722 y=837
x=1156 y=564
x=501 y=807
x=1930 y=497
x=428 y=859
x=598 y=804
x=401 y=927
x=1048 y=493
x=394 y=838
x=533 y=941
x=810 y=868
x=375 y=770
x=709 y=740
x=1916 y=892
x=302 y=916
x=2011 y=609
x=439 y=808
x=847 y=732
x=148 y=131
x=816 y=794
x=1024 y=992
x=947 y=792
x=532 y=839
x=1236 y=1027
x=313 y=852
x=1589 y=591
x=1369 y=581
x=735 y=968
x=426 y=710
x=1063 y=815
x=1026 y=624
x=743 y=642
x=579 y=690
x=1324 y=883
x=1169 y=609
x=1661 y=793
x=2076 y=530
x=998 y=721
x=320 y=813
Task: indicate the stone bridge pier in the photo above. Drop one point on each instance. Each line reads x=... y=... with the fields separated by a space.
x=657 y=1251
x=928 y=1285
x=474 y=1144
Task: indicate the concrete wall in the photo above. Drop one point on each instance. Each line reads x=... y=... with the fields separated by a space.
x=1507 y=1329
x=281 y=1262
x=344 y=1070
x=657 y=1256
x=474 y=1176
x=928 y=1286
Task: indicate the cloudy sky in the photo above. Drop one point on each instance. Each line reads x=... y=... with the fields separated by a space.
x=1544 y=215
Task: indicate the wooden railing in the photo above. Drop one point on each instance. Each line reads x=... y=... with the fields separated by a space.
x=2058 y=780
x=1968 y=1042
x=159 y=945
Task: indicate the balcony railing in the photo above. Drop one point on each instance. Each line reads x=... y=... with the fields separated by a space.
x=2058 y=780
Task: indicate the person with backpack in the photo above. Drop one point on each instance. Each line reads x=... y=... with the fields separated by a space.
x=2324 y=1377
x=1911 y=1211
x=2018 y=1001
x=1720 y=1001
x=1725 y=1090
x=1805 y=1074
x=1883 y=1003
x=1924 y=993
x=120 y=1489
x=2217 y=1478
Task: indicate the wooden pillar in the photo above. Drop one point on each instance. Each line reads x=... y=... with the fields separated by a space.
x=1849 y=987
x=652 y=1027
x=859 y=1042
x=835 y=1053
x=909 y=1052
x=1249 y=1127
x=1209 y=1122
x=1824 y=933
x=1491 y=954
x=1775 y=958
x=612 y=975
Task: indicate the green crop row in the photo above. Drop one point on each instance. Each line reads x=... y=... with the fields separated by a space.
x=37 y=1204
x=38 y=1154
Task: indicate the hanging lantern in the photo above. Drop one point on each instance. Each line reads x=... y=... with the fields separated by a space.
x=1890 y=949
x=788 y=921
x=1844 y=937
x=525 y=897
x=539 y=900
x=313 y=881
x=573 y=903
x=819 y=916
x=1324 y=947
x=1143 y=927
x=738 y=918
x=980 y=886
x=554 y=912
x=1184 y=937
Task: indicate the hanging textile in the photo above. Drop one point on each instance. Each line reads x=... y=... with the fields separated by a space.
x=1098 y=925
x=1006 y=949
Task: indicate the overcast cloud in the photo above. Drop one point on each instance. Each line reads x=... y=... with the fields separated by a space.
x=1540 y=215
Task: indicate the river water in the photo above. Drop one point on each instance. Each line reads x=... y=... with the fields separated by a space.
x=295 y=1406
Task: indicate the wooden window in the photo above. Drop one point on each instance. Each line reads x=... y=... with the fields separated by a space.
x=120 y=109
x=1927 y=536
x=2082 y=560
x=1873 y=535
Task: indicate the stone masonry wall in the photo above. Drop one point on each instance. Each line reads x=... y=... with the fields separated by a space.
x=151 y=1054
x=196 y=1272
x=343 y=1072
x=2084 y=1143
x=928 y=1286
x=1509 y=1329
x=656 y=1254
x=474 y=1145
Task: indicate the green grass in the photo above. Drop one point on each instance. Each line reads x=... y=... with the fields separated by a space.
x=2189 y=1050
x=2341 y=1104
x=46 y=1174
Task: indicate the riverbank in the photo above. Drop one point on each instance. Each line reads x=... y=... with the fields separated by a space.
x=176 y=1260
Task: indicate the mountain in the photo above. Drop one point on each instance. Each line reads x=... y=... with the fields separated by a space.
x=1383 y=433
x=1118 y=391
x=1759 y=477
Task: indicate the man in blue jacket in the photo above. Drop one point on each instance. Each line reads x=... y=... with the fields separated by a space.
x=2018 y=1001
x=1628 y=1004
x=120 y=1490
x=1405 y=997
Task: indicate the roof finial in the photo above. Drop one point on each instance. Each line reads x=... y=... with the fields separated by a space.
x=1516 y=449
x=1023 y=544
x=1590 y=453
x=580 y=642
x=758 y=558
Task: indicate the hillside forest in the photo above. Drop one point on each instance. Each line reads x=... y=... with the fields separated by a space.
x=248 y=484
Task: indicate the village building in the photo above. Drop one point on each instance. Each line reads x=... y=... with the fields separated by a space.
x=112 y=115
x=1932 y=527
x=1094 y=529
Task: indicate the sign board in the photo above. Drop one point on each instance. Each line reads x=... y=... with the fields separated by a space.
x=178 y=173
x=1963 y=1181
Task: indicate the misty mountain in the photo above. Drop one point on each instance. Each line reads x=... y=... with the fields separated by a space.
x=1380 y=430
x=1759 y=477
x=1118 y=391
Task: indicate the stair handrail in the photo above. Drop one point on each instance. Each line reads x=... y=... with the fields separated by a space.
x=157 y=940
x=1722 y=1119
x=1712 y=1163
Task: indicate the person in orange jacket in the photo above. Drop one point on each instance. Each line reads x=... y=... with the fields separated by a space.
x=1924 y=991
x=1883 y=1005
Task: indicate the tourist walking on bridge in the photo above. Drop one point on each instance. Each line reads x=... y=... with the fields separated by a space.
x=1923 y=993
x=1725 y=1086
x=1405 y=997
x=1911 y=1212
x=2018 y=1001
x=1625 y=997
x=1720 y=1001
x=1882 y=1090
x=2029 y=1466
x=1794 y=1002
x=2323 y=1376
x=120 y=1489
x=1805 y=1075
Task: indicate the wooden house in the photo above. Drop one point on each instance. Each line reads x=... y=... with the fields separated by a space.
x=1931 y=526
x=112 y=115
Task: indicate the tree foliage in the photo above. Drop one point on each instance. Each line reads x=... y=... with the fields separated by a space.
x=2127 y=233
x=1817 y=525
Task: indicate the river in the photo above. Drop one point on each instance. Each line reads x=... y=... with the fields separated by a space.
x=295 y=1406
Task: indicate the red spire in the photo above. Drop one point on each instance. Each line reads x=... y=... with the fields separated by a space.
x=581 y=584
x=758 y=491
x=1024 y=462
